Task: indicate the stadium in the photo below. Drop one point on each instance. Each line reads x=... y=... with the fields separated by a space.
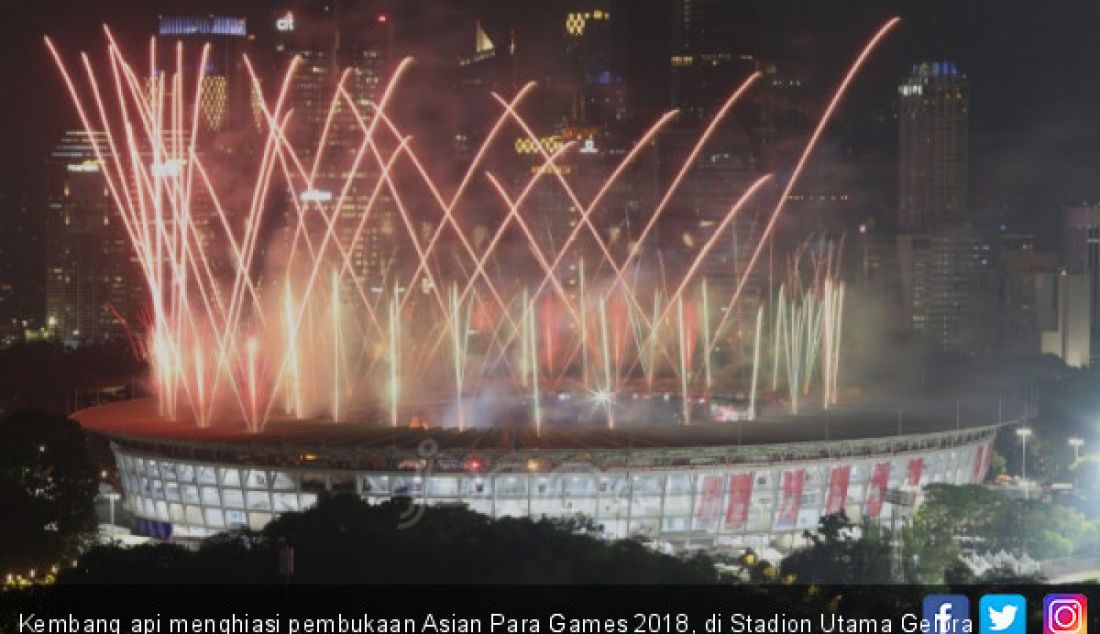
x=728 y=486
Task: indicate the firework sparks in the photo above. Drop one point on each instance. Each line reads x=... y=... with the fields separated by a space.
x=230 y=346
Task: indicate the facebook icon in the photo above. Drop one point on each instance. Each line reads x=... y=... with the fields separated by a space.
x=946 y=614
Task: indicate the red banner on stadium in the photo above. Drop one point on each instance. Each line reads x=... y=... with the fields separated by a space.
x=979 y=464
x=737 y=512
x=838 y=489
x=710 y=498
x=876 y=489
x=916 y=465
x=787 y=514
x=986 y=461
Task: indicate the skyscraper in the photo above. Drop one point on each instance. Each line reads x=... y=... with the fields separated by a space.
x=1082 y=257
x=594 y=43
x=1025 y=275
x=225 y=101
x=227 y=116
x=486 y=67
x=947 y=267
x=934 y=107
x=704 y=65
x=328 y=43
x=1065 y=304
x=21 y=265
x=948 y=284
x=93 y=286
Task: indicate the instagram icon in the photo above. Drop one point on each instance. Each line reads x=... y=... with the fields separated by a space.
x=1065 y=614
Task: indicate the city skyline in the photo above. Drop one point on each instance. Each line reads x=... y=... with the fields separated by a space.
x=714 y=277
x=932 y=31
x=590 y=87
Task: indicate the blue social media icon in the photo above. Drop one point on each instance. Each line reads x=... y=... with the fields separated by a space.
x=946 y=614
x=1002 y=614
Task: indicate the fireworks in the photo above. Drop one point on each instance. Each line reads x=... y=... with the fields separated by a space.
x=303 y=337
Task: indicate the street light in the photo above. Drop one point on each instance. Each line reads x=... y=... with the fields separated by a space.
x=113 y=497
x=1076 y=443
x=1023 y=433
x=108 y=491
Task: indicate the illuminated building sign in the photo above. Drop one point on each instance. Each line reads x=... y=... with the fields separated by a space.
x=210 y=25
x=285 y=23
x=526 y=145
x=575 y=22
x=316 y=196
x=167 y=168
x=85 y=167
x=563 y=170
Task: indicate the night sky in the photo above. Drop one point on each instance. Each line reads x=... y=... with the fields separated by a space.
x=1033 y=70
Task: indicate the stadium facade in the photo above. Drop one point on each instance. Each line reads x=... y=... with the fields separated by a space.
x=713 y=486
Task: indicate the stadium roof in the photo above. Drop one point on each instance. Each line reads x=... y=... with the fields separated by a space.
x=823 y=434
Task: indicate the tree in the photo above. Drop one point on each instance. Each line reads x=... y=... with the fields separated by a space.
x=991 y=522
x=855 y=557
x=1085 y=473
x=958 y=573
x=997 y=464
x=345 y=540
x=842 y=552
x=47 y=490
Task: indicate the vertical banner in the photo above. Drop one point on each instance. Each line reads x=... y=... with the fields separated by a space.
x=709 y=504
x=986 y=461
x=791 y=499
x=737 y=512
x=876 y=489
x=838 y=489
x=916 y=465
x=979 y=464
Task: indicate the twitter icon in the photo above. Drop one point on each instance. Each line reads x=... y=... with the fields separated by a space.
x=1002 y=614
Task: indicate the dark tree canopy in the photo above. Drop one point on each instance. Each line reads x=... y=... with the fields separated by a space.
x=1044 y=530
x=47 y=489
x=842 y=552
x=345 y=540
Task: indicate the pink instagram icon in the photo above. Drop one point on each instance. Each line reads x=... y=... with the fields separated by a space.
x=1065 y=614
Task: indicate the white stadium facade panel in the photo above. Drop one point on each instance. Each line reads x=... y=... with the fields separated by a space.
x=683 y=497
